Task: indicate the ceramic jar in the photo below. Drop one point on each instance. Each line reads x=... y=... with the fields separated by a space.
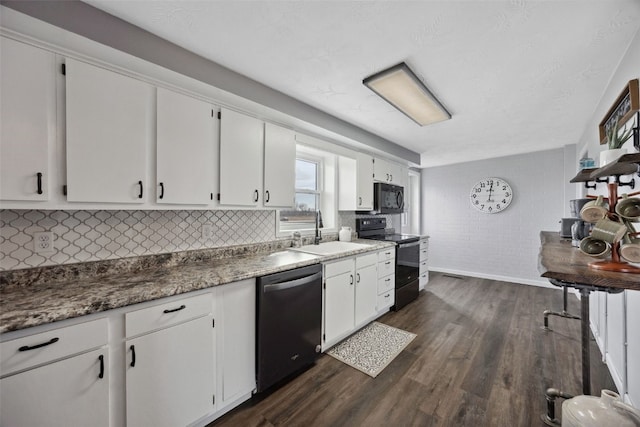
x=344 y=235
x=592 y=411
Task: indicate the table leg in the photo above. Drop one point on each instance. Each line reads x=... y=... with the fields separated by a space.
x=586 y=356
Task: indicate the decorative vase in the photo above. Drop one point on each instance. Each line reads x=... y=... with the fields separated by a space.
x=344 y=235
x=608 y=156
x=592 y=411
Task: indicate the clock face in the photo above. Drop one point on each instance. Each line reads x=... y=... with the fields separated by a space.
x=491 y=195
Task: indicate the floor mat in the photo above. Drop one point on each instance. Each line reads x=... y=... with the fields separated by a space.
x=372 y=348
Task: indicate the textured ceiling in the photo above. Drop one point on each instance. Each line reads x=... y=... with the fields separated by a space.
x=517 y=76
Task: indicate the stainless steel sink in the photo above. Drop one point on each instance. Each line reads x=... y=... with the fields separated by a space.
x=330 y=248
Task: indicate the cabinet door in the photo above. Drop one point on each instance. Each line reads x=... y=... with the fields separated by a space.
x=364 y=179
x=27 y=127
x=633 y=346
x=338 y=306
x=366 y=294
x=381 y=170
x=279 y=166
x=172 y=381
x=616 y=339
x=108 y=129
x=238 y=344
x=65 y=393
x=186 y=130
x=241 y=154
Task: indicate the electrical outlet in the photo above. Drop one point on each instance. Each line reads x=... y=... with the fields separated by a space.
x=207 y=232
x=43 y=242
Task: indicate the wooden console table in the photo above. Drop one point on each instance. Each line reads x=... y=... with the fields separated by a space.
x=565 y=265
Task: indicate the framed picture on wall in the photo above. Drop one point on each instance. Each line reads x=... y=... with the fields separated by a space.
x=623 y=108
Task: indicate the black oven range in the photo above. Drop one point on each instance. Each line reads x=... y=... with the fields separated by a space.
x=407 y=257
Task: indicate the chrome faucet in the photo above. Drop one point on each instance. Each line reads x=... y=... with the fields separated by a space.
x=318 y=237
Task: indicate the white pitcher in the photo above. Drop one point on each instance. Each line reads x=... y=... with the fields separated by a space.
x=344 y=235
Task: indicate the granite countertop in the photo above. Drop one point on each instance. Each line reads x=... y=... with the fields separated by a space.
x=47 y=301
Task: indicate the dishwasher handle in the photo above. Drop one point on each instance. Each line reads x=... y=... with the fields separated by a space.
x=293 y=283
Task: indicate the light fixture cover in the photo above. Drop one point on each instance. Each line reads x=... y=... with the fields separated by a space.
x=400 y=87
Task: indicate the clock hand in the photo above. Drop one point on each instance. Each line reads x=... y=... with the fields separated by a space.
x=490 y=191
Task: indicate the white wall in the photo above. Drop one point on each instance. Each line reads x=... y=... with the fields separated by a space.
x=502 y=246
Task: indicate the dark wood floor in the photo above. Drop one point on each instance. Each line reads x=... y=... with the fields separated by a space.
x=480 y=358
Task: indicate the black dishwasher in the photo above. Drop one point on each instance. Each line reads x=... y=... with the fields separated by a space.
x=289 y=322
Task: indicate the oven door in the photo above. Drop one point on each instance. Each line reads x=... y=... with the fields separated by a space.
x=387 y=198
x=407 y=263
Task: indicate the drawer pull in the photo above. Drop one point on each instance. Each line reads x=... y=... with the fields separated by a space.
x=44 y=344
x=388 y=279
x=133 y=356
x=182 y=307
x=387 y=263
x=101 y=359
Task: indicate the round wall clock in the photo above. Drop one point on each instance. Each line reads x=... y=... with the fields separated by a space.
x=491 y=195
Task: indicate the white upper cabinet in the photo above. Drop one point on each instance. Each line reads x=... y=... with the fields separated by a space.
x=27 y=124
x=241 y=154
x=108 y=132
x=389 y=172
x=355 y=183
x=364 y=182
x=279 y=166
x=187 y=132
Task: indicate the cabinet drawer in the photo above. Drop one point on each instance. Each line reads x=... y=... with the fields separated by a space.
x=339 y=267
x=387 y=254
x=385 y=300
x=423 y=280
x=386 y=268
x=167 y=314
x=23 y=353
x=424 y=254
x=424 y=244
x=423 y=266
x=386 y=284
x=365 y=260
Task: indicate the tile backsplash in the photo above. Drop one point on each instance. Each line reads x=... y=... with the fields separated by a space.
x=99 y=235
x=95 y=235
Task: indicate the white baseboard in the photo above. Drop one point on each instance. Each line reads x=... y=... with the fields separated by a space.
x=542 y=283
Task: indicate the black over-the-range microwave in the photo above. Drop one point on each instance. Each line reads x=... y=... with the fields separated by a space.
x=387 y=198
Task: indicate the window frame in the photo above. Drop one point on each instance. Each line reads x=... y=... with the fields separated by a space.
x=284 y=228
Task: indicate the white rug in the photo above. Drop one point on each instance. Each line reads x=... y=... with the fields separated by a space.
x=372 y=348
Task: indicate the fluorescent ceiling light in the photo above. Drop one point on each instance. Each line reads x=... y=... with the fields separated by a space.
x=402 y=89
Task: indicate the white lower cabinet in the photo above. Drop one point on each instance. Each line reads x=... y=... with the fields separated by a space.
x=366 y=288
x=170 y=373
x=424 y=263
x=386 y=280
x=351 y=296
x=339 y=301
x=236 y=342
x=65 y=383
x=633 y=347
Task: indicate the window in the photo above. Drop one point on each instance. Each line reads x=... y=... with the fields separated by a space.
x=308 y=192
